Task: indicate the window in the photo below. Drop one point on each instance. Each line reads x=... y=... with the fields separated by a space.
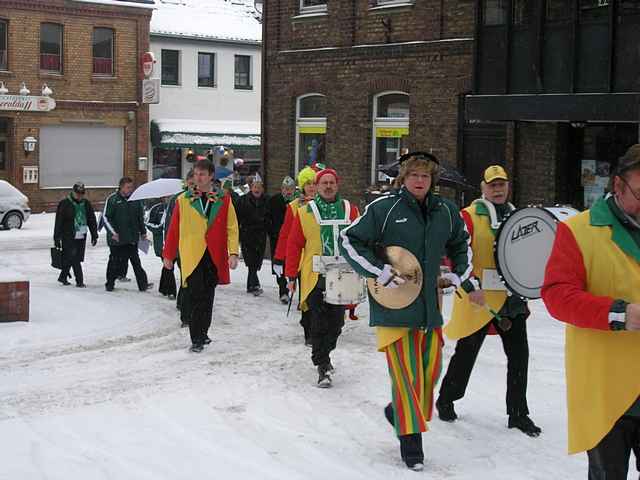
x=494 y=12
x=311 y=129
x=51 y=47
x=206 y=69
x=243 y=72
x=103 y=51
x=521 y=14
x=167 y=163
x=170 y=67
x=390 y=130
x=310 y=6
x=4 y=61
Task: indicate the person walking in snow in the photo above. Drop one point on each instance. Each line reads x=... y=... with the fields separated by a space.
x=74 y=219
x=155 y=223
x=277 y=209
x=470 y=323
x=416 y=219
x=591 y=283
x=204 y=232
x=124 y=221
x=314 y=233
x=253 y=219
x=308 y=190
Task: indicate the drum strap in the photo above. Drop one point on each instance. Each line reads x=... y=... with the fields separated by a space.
x=493 y=215
x=334 y=223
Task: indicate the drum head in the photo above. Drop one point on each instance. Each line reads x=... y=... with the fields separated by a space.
x=407 y=265
x=522 y=247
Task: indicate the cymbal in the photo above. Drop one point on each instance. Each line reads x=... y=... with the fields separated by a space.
x=406 y=264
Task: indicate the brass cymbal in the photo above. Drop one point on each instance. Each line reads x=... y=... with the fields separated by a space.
x=406 y=264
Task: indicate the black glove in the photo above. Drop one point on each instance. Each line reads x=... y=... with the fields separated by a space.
x=94 y=240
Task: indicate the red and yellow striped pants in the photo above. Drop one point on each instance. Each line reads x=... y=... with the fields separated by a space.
x=415 y=364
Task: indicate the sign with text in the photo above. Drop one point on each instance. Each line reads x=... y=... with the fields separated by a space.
x=399 y=132
x=151 y=90
x=25 y=103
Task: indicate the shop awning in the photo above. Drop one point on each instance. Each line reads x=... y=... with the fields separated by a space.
x=594 y=107
x=177 y=133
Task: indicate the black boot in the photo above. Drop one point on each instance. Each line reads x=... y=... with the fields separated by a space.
x=446 y=411
x=525 y=425
x=324 y=376
x=411 y=450
x=388 y=414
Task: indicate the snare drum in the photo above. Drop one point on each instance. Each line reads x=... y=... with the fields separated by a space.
x=343 y=286
x=523 y=246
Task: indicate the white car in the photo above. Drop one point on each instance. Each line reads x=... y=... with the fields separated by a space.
x=14 y=206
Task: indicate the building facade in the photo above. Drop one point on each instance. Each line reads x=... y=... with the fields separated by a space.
x=208 y=60
x=562 y=78
x=70 y=93
x=351 y=83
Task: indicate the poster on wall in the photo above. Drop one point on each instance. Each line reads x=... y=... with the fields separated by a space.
x=588 y=175
x=591 y=194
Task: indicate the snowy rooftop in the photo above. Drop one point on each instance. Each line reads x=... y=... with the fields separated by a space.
x=230 y=20
x=207 y=126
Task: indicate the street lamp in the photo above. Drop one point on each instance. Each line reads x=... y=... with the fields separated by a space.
x=46 y=91
x=29 y=144
x=3 y=90
x=24 y=91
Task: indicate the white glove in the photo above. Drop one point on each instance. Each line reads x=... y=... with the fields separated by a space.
x=453 y=278
x=389 y=278
x=278 y=270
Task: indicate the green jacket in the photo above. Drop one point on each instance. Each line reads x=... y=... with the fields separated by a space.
x=397 y=219
x=124 y=218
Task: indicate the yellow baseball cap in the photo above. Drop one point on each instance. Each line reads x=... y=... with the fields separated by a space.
x=495 y=172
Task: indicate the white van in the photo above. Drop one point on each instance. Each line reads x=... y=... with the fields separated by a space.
x=14 y=206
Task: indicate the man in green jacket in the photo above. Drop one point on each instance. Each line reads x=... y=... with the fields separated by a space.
x=124 y=221
x=429 y=227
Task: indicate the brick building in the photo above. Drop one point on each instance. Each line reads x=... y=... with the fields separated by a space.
x=82 y=116
x=352 y=82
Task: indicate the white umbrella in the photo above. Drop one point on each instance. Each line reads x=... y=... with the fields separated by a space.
x=162 y=187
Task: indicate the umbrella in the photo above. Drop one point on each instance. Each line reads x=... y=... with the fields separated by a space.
x=162 y=187
x=449 y=176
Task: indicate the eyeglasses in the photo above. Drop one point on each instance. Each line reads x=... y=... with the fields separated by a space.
x=635 y=194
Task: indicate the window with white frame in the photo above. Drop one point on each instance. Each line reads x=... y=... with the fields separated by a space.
x=312 y=6
x=390 y=129
x=311 y=129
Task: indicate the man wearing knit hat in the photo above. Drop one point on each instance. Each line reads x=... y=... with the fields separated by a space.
x=307 y=186
x=277 y=209
x=315 y=233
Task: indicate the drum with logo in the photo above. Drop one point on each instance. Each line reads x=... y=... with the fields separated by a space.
x=523 y=245
x=343 y=286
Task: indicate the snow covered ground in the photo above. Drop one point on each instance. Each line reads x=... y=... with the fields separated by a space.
x=102 y=386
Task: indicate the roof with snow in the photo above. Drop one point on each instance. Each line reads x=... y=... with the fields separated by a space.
x=226 y=20
x=173 y=133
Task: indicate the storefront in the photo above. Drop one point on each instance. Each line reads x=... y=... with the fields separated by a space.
x=176 y=144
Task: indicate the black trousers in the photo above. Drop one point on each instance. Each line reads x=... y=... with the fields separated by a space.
x=281 y=279
x=167 y=282
x=72 y=254
x=325 y=326
x=516 y=348
x=199 y=298
x=609 y=460
x=253 y=246
x=119 y=256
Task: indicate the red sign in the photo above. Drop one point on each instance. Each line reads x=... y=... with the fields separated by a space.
x=148 y=59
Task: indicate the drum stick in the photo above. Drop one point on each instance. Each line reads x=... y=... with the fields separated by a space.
x=495 y=314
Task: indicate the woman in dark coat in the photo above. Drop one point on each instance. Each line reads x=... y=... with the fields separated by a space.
x=74 y=218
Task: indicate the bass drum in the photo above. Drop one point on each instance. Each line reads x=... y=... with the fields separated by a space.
x=523 y=245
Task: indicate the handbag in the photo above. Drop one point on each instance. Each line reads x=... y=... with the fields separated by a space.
x=56 y=258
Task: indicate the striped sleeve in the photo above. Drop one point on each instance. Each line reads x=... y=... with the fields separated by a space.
x=106 y=213
x=357 y=240
x=459 y=249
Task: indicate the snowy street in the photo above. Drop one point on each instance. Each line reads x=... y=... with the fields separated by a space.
x=102 y=386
